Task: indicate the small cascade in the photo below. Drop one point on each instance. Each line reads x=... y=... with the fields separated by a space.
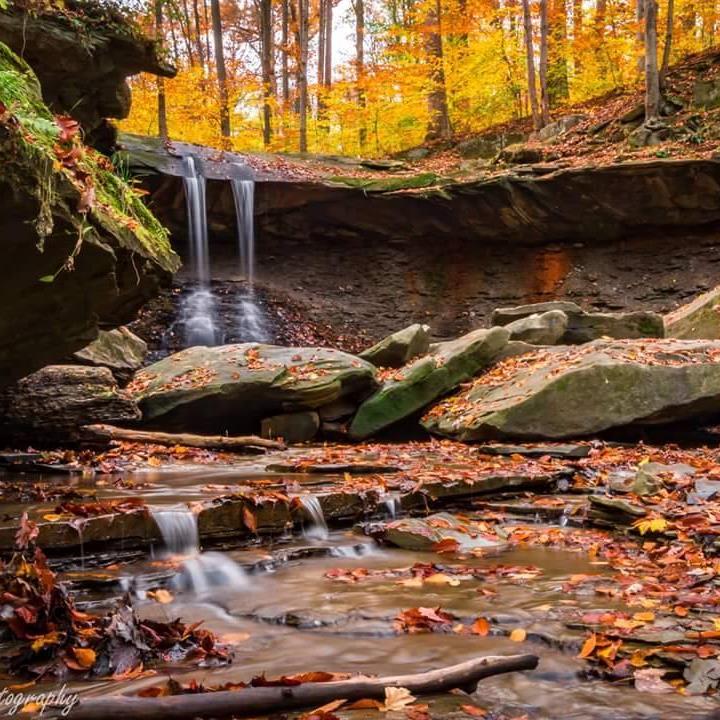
x=251 y=321
x=199 y=572
x=315 y=527
x=393 y=505
x=179 y=530
x=198 y=313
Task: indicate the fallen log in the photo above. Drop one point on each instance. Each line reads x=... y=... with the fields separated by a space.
x=104 y=434
x=254 y=701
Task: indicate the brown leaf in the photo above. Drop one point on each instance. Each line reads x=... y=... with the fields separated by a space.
x=27 y=532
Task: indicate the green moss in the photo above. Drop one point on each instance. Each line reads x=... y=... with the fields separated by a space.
x=33 y=141
x=391 y=184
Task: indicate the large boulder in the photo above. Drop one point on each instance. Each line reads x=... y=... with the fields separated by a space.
x=233 y=387
x=417 y=385
x=119 y=350
x=539 y=328
x=81 y=250
x=698 y=320
x=584 y=326
x=398 y=349
x=83 y=53
x=569 y=392
x=50 y=406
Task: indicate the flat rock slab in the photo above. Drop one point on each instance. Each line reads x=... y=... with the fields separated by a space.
x=399 y=348
x=231 y=388
x=557 y=450
x=332 y=468
x=423 y=534
x=567 y=392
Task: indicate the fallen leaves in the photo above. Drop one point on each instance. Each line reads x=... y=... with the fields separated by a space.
x=397 y=698
x=423 y=619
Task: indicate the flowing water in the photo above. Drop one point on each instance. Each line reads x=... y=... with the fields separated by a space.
x=252 y=326
x=314 y=525
x=198 y=312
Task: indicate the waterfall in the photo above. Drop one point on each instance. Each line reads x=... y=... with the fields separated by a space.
x=198 y=314
x=199 y=572
x=316 y=527
x=251 y=322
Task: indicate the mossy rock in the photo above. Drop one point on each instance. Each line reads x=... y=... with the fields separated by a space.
x=85 y=251
x=390 y=184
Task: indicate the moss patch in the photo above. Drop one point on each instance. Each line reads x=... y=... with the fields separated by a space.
x=52 y=152
x=391 y=184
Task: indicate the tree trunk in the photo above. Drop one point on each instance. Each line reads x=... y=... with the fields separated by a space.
x=327 y=71
x=439 y=122
x=260 y=701
x=220 y=68
x=558 y=83
x=667 y=50
x=359 y=7
x=302 y=22
x=652 y=79
x=640 y=35
x=530 y=58
x=322 y=16
x=268 y=66
x=577 y=25
x=186 y=30
x=285 y=39
x=161 y=102
x=198 y=35
x=544 y=33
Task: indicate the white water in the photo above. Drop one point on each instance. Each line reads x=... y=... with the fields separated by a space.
x=251 y=321
x=393 y=505
x=198 y=314
x=314 y=526
x=199 y=572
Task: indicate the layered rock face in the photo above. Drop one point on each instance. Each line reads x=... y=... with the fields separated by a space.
x=83 y=56
x=570 y=392
x=82 y=251
x=52 y=404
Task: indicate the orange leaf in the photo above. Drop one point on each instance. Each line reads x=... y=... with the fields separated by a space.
x=480 y=627
x=518 y=635
x=588 y=646
x=474 y=711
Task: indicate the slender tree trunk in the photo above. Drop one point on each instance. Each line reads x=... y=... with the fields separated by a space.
x=558 y=82
x=652 y=79
x=327 y=71
x=322 y=16
x=640 y=34
x=220 y=68
x=302 y=23
x=667 y=49
x=268 y=66
x=207 y=30
x=577 y=25
x=285 y=39
x=439 y=122
x=198 y=35
x=530 y=59
x=187 y=32
x=161 y=102
x=359 y=8
x=543 y=70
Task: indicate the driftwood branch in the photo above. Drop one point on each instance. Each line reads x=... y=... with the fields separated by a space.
x=265 y=700
x=104 y=434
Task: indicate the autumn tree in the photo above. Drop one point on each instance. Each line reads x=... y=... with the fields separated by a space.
x=161 y=99
x=652 y=77
x=220 y=69
x=439 y=117
x=359 y=9
x=267 y=61
x=530 y=60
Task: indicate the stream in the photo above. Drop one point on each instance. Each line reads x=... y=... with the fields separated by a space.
x=275 y=604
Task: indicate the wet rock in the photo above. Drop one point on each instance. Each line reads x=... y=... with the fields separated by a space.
x=446 y=366
x=332 y=468
x=291 y=427
x=697 y=320
x=650 y=477
x=72 y=273
x=539 y=328
x=233 y=387
x=119 y=350
x=52 y=404
x=570 y=392
x=584 y=326
x=613 y=511
x=487 y=145
x=422 y=534
x=338 y=410
x=399 y=348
